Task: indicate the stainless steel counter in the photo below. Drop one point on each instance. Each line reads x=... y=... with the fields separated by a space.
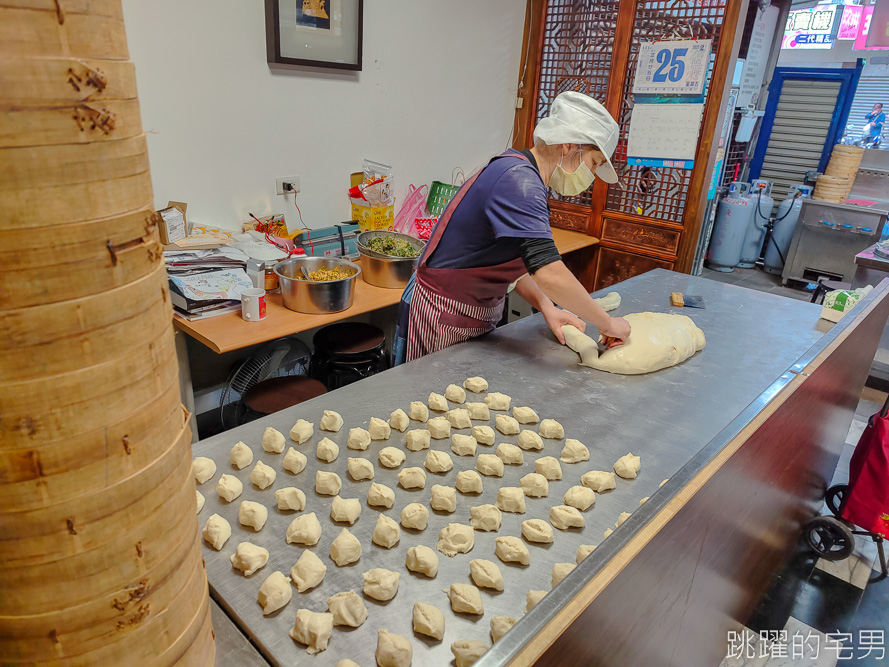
x=666 y=417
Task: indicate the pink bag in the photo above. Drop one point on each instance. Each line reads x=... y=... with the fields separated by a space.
x=413 y=207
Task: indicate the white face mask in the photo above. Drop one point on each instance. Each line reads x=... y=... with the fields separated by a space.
x=573 y=183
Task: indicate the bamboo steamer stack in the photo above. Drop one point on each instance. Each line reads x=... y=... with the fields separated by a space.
x=100 y=558
x=836 y=182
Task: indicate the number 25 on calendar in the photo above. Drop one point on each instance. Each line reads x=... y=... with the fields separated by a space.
x=672 y=67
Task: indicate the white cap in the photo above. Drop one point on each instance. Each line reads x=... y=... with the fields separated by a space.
x=575 y=118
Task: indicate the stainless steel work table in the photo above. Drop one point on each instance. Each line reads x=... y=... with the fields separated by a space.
x=753 y=341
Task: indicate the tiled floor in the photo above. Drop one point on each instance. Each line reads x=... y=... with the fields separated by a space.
x=759 y=280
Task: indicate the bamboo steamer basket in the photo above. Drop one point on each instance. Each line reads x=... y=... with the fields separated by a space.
x=832 y=188
x=844 y=161
x=100 y=558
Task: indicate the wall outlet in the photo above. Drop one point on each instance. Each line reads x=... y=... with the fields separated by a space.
x=279 y=184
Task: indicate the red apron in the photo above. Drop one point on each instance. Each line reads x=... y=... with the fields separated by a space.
x=867 y=501
x=453 y=305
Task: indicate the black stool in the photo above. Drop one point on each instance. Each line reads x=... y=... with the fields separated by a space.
x=825 y=286
x=347 y=352
x=270 y=396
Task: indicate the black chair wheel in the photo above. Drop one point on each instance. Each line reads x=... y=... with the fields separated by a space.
x=835 y=496
x=830 y=538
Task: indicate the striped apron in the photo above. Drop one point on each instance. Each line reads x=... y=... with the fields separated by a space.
x=450 y=306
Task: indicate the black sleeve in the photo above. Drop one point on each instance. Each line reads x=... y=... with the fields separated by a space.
x=537 y=253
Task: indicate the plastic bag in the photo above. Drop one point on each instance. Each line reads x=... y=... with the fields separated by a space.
x=413 y=207
x=378 y=184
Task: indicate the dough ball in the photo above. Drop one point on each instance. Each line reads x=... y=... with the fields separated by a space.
x=346 y=663
x=644 y=500
x=532 y=598
x=417 y=439
x=465 y=599
x=393 y=650
x=391 y=457
x=379 y=429
x=535 y=485
x=252 y=514
x=380 y=495
x=486 y=574
x=273 y=441
x=475 y=384
x=248 y=558
x=360 y=469
x=345 y=549
x=469 y=481
x=560 y=571
x=216 y=531
x=399 y=420
x=463 y=445
x=510 y=454
x=584 y=550
x=412 y=478
x=580 y=497
x=381 y=584
x=538 y=531
x=500 y=625
x=262 y=476
x=428 y=620
x=485 y=517
x=467 y=651
x=438 y=402
x=511 y=499
x=346 y=510
x=484 y=435
x=525 y=415
x=418 y=411
x=240 y=456
x=199 y=498
x=530 y=440
x=348 y=609
x=550 y=428
x=458 y=418
x=274 y=593
x=386 y=532
x=423 y=560
x=444 y=498
x=327 y=450
x=294 y=461
x=304 y=530
x=331 y=421
x=415 y=516
x=623 y=517
x=628 y=466
x=478 y=411
x=564 y=517
x=455 y=394
x=664 y=482
x=574 y=451
x=308 y=571
x=359 y=439
x=456 y=538
x=490 y=465
x=506 y=425
x=229 y=487
x=290 y=498
x=437 y=461
x=497 y=401
x=549 y=467
x=510 y=549
x=327 y=483
x=598 y=480
x=203 y=469
x=312 y=629
x=439 y=428
x=607 y=533
x=301 y=431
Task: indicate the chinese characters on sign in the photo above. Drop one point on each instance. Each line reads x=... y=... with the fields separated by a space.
x=808 y=646
x=811 y=28
x=672 y=67
x=757 y=56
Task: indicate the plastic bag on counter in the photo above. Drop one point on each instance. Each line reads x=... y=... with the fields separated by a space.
x=378 y=186
x=414 y=207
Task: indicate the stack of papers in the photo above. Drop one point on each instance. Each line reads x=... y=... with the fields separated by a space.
x=201 y=294
x=192 y=261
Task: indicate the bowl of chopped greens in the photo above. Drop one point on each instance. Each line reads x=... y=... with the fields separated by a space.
x=317 y=284
x=388 y=258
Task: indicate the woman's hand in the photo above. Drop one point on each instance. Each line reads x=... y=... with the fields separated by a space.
x=618 y=328
x=556 y=318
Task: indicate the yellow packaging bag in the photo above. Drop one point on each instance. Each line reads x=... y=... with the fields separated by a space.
x=373 y=218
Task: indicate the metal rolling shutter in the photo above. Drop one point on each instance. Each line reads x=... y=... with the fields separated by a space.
x=799 y=132
x=871 y=89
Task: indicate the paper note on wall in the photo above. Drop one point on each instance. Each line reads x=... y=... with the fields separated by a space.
x=664 y=131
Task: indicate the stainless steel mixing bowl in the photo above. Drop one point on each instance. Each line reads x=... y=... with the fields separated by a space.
x=316 y=297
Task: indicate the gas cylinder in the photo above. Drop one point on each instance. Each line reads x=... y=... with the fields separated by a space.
x=761 y=200
x=733 y=217
x=785 y=223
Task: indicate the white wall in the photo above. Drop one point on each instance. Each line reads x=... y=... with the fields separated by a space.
x=437 y=91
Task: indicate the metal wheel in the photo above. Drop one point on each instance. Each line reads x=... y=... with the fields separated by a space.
x=829 y=538
x=835 y=496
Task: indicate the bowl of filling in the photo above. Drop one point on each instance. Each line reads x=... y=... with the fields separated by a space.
x=388 y=258
x=317 y=285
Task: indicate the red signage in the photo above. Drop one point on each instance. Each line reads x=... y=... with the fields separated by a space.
x=878 y=32
x=849 y=22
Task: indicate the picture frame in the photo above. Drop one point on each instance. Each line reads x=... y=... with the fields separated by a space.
x=315 y=33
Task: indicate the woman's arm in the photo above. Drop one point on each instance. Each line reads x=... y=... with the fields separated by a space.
x=555 y=317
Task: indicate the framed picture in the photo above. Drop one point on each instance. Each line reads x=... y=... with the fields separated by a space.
x=317 y=33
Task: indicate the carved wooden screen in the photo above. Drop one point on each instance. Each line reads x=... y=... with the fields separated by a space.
x=591 y=46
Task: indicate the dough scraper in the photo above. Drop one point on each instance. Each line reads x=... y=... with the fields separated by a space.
x=679 y=299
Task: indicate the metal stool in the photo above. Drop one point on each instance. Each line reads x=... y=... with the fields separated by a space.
x=269 y=396
x=825 y=286
x=347 y=352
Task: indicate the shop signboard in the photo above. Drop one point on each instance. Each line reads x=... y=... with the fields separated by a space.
x=860 y=43
x=878 y=31
x=757 y=56
x=812 y=28
x=849 y=22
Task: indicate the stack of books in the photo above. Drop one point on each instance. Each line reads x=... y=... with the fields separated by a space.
x=206 y=283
